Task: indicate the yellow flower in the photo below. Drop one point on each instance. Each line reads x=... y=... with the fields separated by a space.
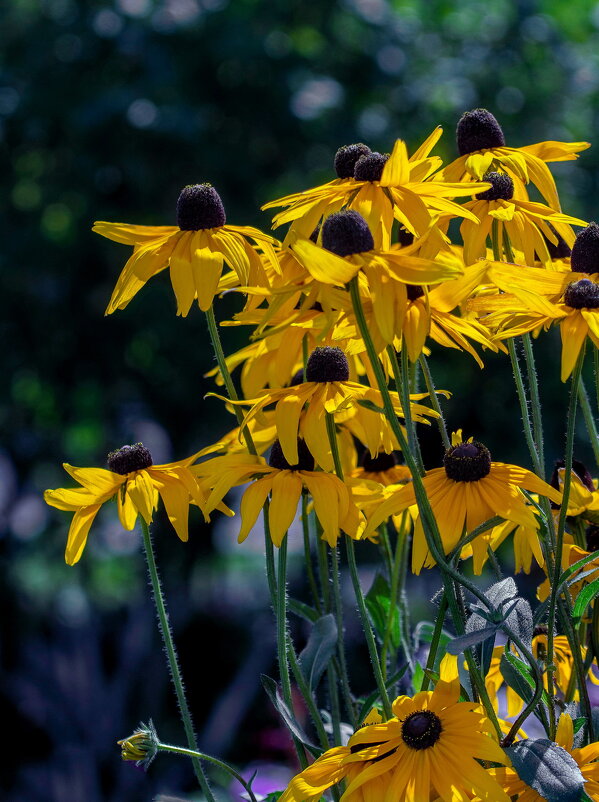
x=381 y=189
x=137 y=483
x=430 y=747
x=586 y=758
x=195 y=250
x=327 y=389
x=383 y=468
x=283 y=482
x=482 y=148
x=467 y=491
x=525 y=223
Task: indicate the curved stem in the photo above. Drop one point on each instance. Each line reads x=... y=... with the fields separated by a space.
x=538 y=692
x=430 y=386
x=171 y=653
x=193 y=754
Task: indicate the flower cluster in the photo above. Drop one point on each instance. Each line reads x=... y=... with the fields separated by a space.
x=343 y=312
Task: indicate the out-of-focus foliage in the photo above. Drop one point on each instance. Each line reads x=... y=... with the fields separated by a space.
x=106 y=111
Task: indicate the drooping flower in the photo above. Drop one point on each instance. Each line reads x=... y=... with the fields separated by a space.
x=137 y=484
x=429 y=749
x=301 y=410
x=467 y=491
x=195 y=250
x=482 y=148
x=284 y=483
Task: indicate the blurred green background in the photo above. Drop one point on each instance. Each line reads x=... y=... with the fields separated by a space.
x=106 y=110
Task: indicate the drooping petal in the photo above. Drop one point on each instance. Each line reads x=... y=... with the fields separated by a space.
x=286 y=492
x=78 y=532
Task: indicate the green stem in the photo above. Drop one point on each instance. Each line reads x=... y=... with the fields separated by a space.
x=394 y=592
x=307 y=695
x=432 y=653
x=193 y=754
x=171 y=653
x=430 y=387
x=596 y=371
x=589 y=420
x=226 y=375
x=427 y=517
x=538 y=693
x=343 y=669
x=535 y=401
x=308 y=555
x=281 y=619
x=402 y=383
x=528 y=432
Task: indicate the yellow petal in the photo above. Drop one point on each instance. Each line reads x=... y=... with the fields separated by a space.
x=323 y=265
x=69 y=499
x=397 y=169
x=286 y=492
x=252 y=502
x=130 y=234
x=143 y=494
x=176 y=502
x=78 y=531
x=207 y=265
x=573 y=330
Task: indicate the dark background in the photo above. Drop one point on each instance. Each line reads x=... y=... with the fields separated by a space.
x=106 y=111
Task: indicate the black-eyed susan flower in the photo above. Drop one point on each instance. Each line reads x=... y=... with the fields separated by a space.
x=301 y=410
x=586 y=759
x=382 y=189
x=430 y=748
x=137 y=484
x=467 y=491
x=526 y=223
x=382 y=468
x=282 y=482
x=195 y=250
x=482 y=148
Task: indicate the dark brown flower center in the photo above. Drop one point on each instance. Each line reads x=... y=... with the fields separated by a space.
x=560 y=251
x=346 y=158
x=592 y=537
x=478 y=130
x=414 y=291
x=199 y=206
x=345 y=233
x=327 y=364
x=502 y=187
x=467 y=462
x=583 y=294
x=277 y=459
x=129 y=458
x=421 y=730
x=585 y=251
x=578 y=468
x=370 y=167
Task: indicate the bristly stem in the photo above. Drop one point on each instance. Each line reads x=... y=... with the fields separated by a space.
x=435 y=640
x=402 y=384
x=589 y=420
x=353 y=569
x=535 y=401
x=171 y=653
x=343 y=668
x=308 y=555
x=528 y=433
x=226 y=375
x=430 y=387
x=194 y=754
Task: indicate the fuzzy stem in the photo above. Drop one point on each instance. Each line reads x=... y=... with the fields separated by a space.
x=171 y=653
x=343 y=669
x=589 y=420
x=535 y=402
x=430 y=386
x=432 y=652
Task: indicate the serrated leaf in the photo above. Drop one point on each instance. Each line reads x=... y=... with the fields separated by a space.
x=585 y=597
x=272 y=691
x=303 y=610
x=470 y=639
x=548 y=769
x=378 y=603
x=321 y=646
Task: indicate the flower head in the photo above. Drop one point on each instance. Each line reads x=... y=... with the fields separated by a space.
x=413 y=756
x=195 y=251
x=137 y=483
x=142 y=746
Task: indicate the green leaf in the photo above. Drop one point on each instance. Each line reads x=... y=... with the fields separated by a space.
x=273 y=796
x=585 y=597
x=423 y=633
x=417 y=678
x=378 y=604
x=321 y=646
x=364 y=402
x=470 y=639
x=578 y=723
x=518 y=676
x=272 y=690
x=548 y=769
x=302 y=610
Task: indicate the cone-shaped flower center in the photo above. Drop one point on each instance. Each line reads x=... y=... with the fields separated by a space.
x=346 y=158
x=199 y=206
x=370 y=167
x=421 y=730
x=379 y=464
x=585 y=251
x=478 y=130
x=404 y=237
x=502 y=187
x=467 y=462
x=297 y=378
x=345 y=233
x=583 y=294
x=327 y=365
x=592 y=537
x=129 y=458
x=277 y=460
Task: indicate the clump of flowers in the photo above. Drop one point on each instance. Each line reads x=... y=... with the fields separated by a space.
x=343 y=314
